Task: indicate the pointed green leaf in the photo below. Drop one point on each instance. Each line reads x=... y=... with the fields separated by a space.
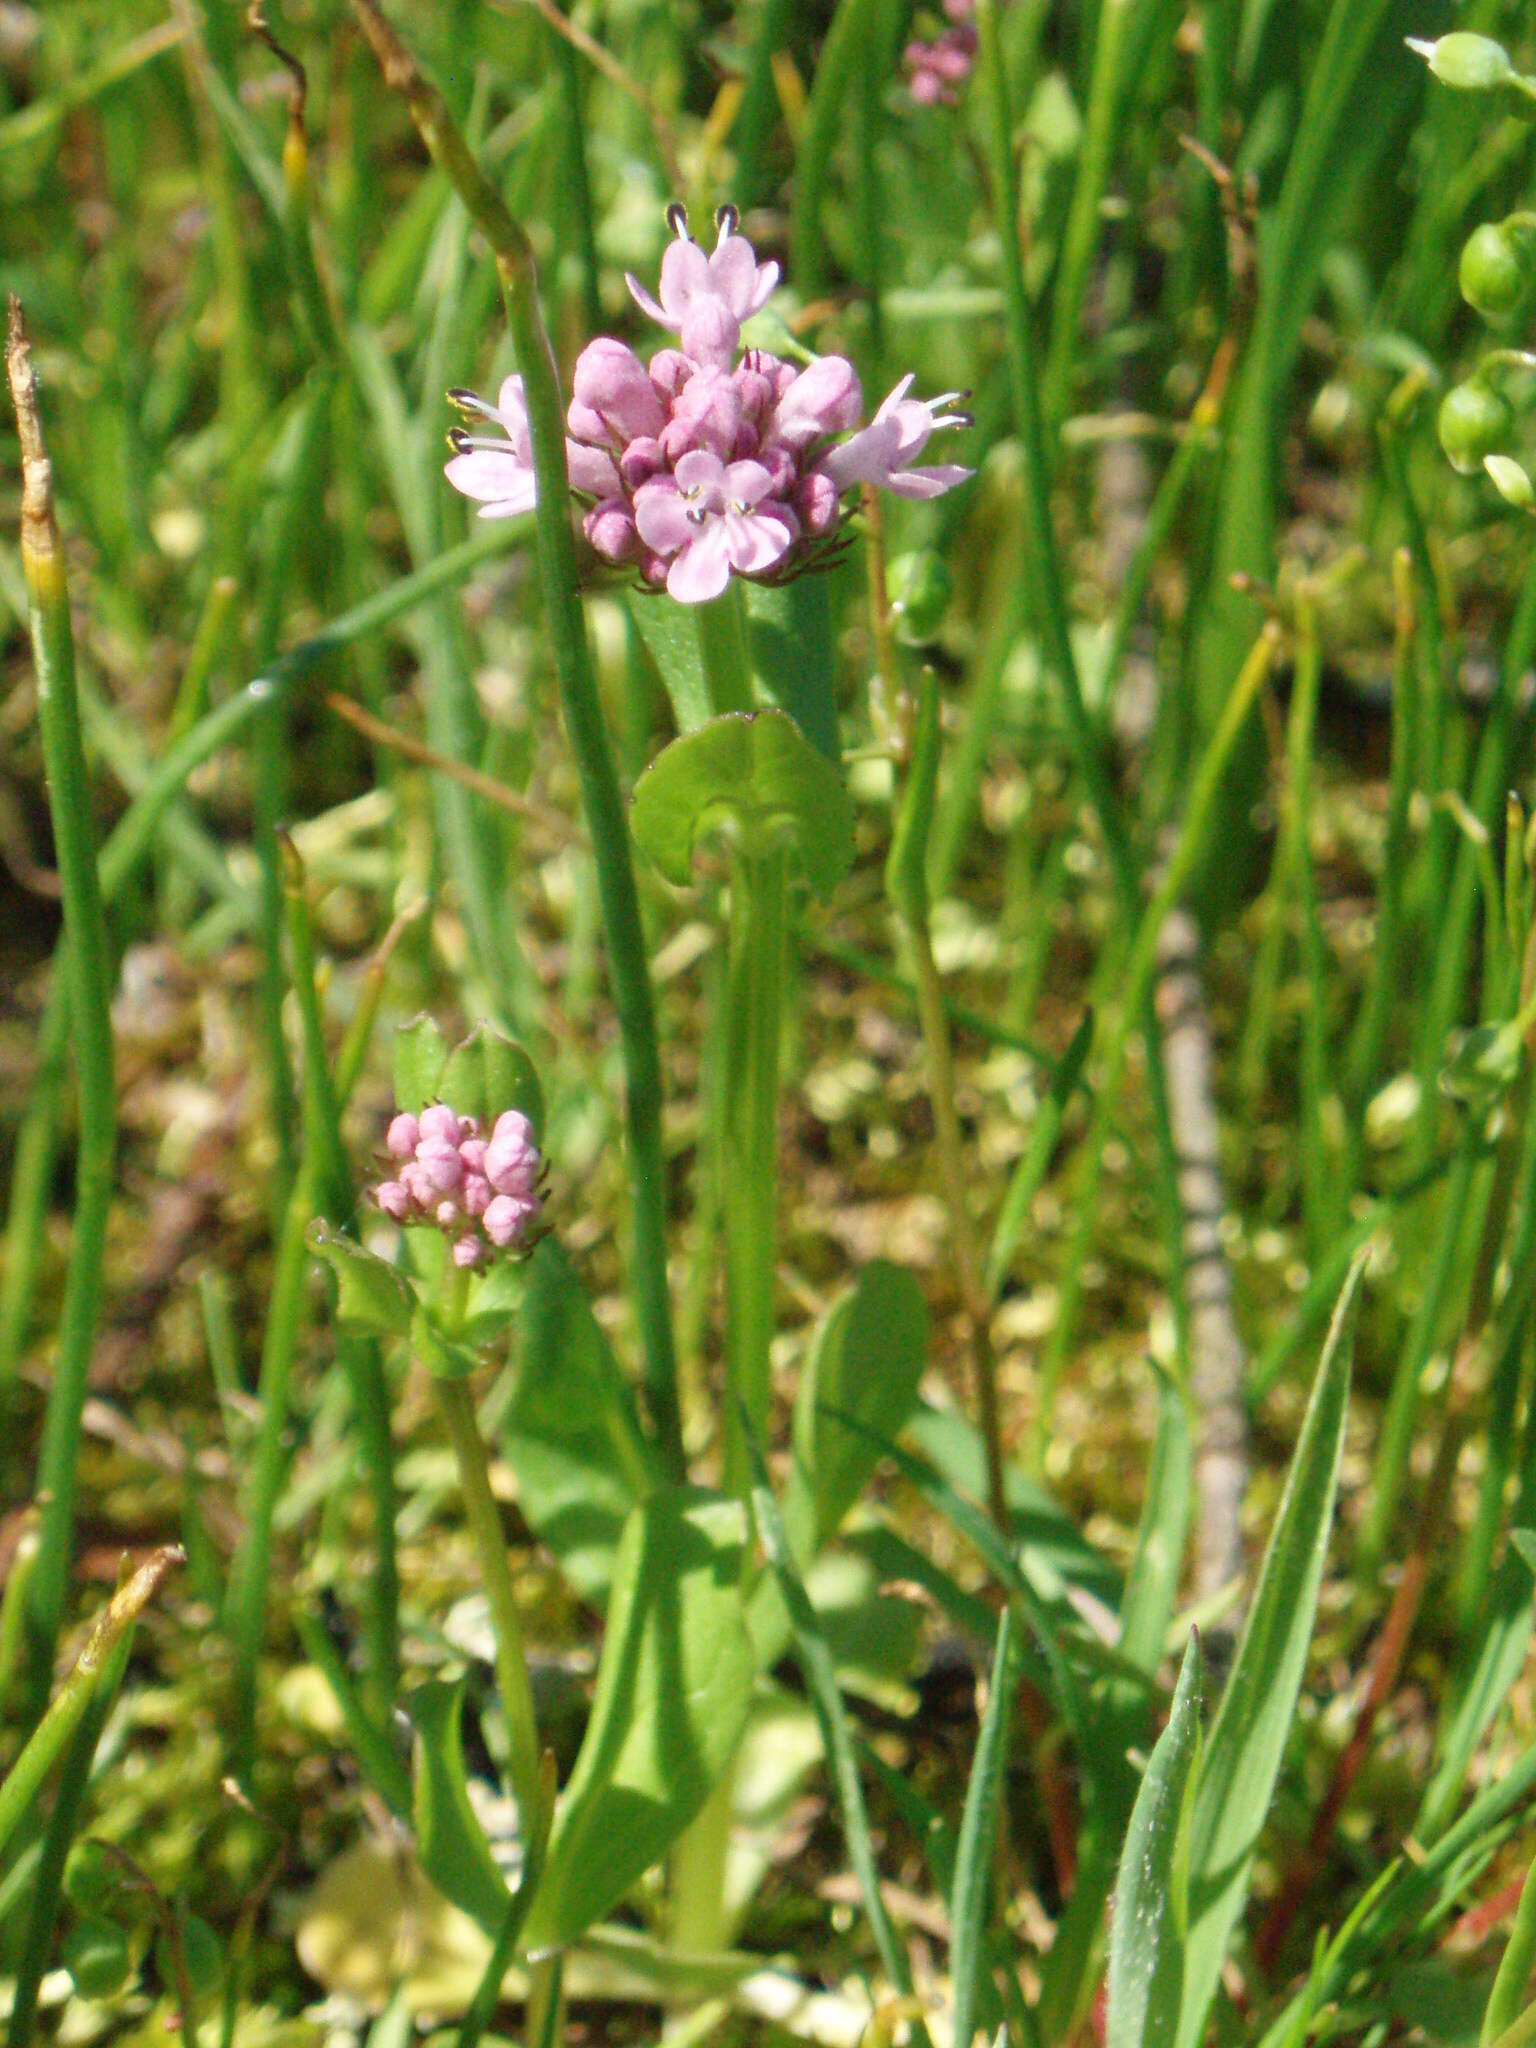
x=571 y=1433
x=865 y=1363
x=489 y=1072
x=758 y=770
x=672 y=1694
x=1148 y=1924
x=371 y=1294
x=421 y=1053
x=1242 y=1758
x=449 y=1839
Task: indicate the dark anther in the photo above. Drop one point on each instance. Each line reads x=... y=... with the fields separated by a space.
x=727 y=220
x=677 y=219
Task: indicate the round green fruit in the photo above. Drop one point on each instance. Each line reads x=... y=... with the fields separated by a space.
x=1493 y=278
x=1474 y=421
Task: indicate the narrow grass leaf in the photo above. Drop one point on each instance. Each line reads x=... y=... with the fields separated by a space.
x=1149 y=1923
x=1247 y=1740
x=971 y=1897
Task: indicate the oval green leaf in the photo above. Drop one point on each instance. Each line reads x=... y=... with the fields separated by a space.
x=757 y=769
x=672 y=1694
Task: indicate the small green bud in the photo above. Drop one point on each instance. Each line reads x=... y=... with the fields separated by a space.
x=1493 y=278
x=920 y=588
x=97 y=1957
x=1468 y=63
x=1511 y=482
x=1474 y=420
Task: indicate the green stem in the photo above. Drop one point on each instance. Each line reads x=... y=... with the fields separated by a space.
x=72 y=812
x=754 y=1002
x=484 y=1517
x=583 y=716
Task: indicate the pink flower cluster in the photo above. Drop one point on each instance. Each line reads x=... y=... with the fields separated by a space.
x=483 y=1192
x=705 y=462
x=937 y=68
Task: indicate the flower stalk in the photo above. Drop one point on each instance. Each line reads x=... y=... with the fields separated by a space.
x=90 y=987
x=582 y=712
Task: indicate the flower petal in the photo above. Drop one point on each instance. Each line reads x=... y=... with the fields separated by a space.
x=499 y=479
x=662 y=517
x=703 y=568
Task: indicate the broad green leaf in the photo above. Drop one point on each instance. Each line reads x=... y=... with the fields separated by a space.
x=449 y=1839
x=571 y=1433
x=421 y=1054
x=865 y=1362
x=371 y=1294
x=1149 y=1920
x=672 y=640
x=1242 y=1758
x=758 y=770
x=673 y=1689
x=790 y=633
x=489 y=1072
x=969 y=1899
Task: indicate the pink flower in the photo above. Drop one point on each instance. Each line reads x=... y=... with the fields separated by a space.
x=401 y=1139
x=506 y=1220
x=824 y=399
x=704 y=299
x=512 y=1158
x=479 y=1191
x=705 y=464
x=498 y=473
x=706 y=518
x=612 y=398
x=883 y=453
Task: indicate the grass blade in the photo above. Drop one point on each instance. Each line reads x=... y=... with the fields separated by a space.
x=970 y=1898
x=1242 y=1759
x=1150 y=1920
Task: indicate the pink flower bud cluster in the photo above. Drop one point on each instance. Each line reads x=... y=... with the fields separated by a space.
x=707 y=462
x=936 y=68
x=483 y=1192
